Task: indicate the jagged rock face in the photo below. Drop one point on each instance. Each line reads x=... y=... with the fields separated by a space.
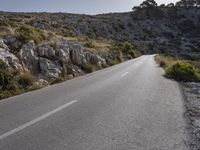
x=46 y=51
x=29 y=57
x=3 y=45
x=13 y=43
x=164 y=28
x=50 y=69
x=98 y=60
x=8 y=58
x=63 y=51
x=47 y=62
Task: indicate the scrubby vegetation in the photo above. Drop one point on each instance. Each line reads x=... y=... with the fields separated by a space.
x=126 y=48
x=13 y=82
x=180 y=69
x=23 y=32
x=26 y=33
x=91 y=68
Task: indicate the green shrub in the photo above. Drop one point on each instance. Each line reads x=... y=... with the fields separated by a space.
x=122 y=46
x=127 y=46
x=5 y=94
x=4 y=23
x=5 y=79
x=134 y=53
x=27 y=33
x=182 y=71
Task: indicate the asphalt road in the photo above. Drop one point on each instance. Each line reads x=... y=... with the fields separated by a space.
x=130 y=106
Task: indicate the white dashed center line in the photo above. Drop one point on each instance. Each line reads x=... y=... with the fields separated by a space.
x=124 y=74
x=30 y=123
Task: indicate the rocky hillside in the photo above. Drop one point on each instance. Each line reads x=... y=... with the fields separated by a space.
x=37 y=49
x=31 y=58
x=161 y=29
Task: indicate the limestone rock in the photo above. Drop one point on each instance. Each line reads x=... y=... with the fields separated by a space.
x=13 y=43
x=9 y=59
x=29 y=57
x=49 y=68
x=45 y=50
x=3 y=45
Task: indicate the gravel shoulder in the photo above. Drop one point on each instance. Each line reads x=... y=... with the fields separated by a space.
x=191 y=93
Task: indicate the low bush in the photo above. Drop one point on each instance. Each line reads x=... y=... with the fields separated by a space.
x=182 y=71
x=179 y=69
x=13 y=82
x=134 y=53
x=25 y=79
x=5 y=94
x=26 y=33
x=90 y=68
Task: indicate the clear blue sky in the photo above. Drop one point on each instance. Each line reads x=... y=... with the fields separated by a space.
x=72 y=6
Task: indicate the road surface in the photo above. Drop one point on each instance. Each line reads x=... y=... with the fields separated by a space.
x=130 y=106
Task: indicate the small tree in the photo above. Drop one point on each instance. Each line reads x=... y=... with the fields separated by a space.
x=188 y=3
x=148 y=3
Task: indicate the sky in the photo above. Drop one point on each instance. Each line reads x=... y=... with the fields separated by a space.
x=72 y=6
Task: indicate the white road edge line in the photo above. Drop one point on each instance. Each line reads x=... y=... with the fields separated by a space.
x=11 y=132
x=124 y=74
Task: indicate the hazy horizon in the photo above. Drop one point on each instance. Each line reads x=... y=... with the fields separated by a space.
x=73 y=6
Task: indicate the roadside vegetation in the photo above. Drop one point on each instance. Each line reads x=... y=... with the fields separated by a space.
x=179 y=69
x=23 y=32
x=13 y=82
x=126 y=48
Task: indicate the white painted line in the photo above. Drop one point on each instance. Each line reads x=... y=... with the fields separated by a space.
x=124 y=74
x=11 y=132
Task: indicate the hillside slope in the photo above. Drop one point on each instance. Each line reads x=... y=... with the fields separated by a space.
x=38 y=49
x=169 y=29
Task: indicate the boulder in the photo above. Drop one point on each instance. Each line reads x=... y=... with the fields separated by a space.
x=9 y=59
x=41 y=83
x=98 y=60
x=78 y=57
x=63 y=52
x=29 y=58
x=49 y=68
x=63 y=56
x=13 y=43
x=45 y=50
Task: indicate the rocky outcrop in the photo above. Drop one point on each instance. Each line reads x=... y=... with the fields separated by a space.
x=49 y=69
x=13 y=43
x=46 y=51
x=192 y=102
x=8 y=58
x=29 y=58
x=46 y=61
x=3 y=45
x=162 y=29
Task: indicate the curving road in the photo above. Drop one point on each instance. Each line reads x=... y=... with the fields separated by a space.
x=130 y=106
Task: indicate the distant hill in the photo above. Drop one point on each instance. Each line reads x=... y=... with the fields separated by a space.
x=160 y=30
